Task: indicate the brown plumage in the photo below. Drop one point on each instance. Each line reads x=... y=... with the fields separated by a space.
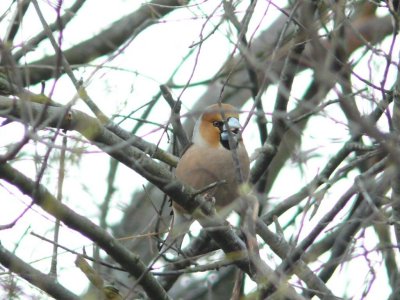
x=208 y=160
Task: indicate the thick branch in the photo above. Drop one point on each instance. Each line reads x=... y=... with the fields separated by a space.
x=396 y=178
x=33 y=276
x=106 y=41
x=88 y=126
x=128 y=260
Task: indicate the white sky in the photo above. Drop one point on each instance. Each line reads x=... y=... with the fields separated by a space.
x=119 y=92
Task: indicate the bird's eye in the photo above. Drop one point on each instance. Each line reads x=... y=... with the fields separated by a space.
x=218 y=124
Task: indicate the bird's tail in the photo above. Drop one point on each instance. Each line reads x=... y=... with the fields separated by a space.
x=180 y=225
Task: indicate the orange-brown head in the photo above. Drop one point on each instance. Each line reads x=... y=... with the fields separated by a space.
x=214 y=127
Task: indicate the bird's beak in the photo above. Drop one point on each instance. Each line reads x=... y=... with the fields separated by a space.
x=233 y=126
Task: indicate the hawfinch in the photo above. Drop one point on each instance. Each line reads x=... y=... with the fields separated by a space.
x=208 y=160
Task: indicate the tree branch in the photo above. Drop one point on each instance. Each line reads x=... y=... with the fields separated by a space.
x=42 y=197
x=283 y=249
x=32 y=43
x=33 y=276
x=175 y=117
x=88 y=126
x=106 y=41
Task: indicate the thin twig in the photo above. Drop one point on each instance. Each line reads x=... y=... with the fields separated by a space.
x=77 y=253
x=61 y=175
x=175 y=117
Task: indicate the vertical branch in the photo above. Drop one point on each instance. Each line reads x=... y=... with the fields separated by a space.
x=61 y=175
x=396 y=168
x=244 y=47
x=16 y=21
x=384 y=234
x=279 y=125
x=395 y=183
x=175 y=117
x=238 y=288
x=104 y=208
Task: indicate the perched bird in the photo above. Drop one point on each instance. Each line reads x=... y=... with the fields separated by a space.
x=208 y=160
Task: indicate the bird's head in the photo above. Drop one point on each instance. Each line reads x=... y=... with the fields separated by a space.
x=216 y=125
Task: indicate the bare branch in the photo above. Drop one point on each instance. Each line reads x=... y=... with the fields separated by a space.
x=33 y=276
x=88 y=126
x=49 y=203
x=64 y=20
x=175 y=117
x=108 y=40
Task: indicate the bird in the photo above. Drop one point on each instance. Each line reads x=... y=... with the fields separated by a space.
x=210 y=159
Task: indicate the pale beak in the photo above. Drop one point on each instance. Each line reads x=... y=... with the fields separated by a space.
x=233 y=126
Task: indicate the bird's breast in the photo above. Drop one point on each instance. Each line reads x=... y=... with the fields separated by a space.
x=201 y=166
